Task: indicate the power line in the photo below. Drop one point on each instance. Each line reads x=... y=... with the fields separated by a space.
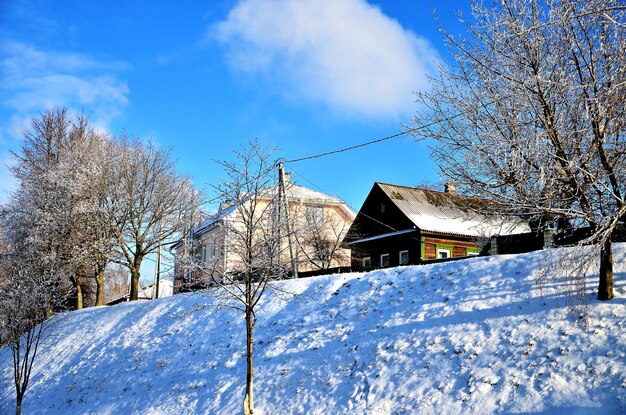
x=360 y=212
x=400 y=134
x=319 y=188
x=378 y=140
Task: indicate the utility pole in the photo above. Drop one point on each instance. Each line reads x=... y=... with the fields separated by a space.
x=183 y=266
x=282 y=200
x=157 y=269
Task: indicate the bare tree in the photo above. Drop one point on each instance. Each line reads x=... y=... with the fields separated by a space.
x=156 y=204
x=254 y=248
x=531 y=114
x=24 y=303
x=320 y=238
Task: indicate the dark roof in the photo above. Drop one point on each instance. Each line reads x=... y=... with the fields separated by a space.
x=449 y=213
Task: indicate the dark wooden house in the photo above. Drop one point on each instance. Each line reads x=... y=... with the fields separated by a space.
x=399 y=225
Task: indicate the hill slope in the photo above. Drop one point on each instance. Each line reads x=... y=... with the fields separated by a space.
x=474 y=336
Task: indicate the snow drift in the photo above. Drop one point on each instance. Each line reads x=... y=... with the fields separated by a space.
x=474 y=336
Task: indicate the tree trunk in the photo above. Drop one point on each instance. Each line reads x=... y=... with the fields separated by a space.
x=18 y=405
x=134 y=278
x=100 y=286
x=605 y=288
x=248 y=403
x=134 y=284
x=79 y=295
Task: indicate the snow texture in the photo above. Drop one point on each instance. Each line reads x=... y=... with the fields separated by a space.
x=474 y=336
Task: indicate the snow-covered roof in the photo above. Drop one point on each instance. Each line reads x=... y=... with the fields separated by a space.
x=449 y=213
x=295 y=193
x=298 y=193
x=166 y=289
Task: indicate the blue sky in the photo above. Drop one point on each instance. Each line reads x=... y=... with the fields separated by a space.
x=306 y=76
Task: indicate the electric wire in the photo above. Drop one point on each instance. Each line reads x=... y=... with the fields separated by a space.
x=299 y=175
x=378 y=140
x=328 y=153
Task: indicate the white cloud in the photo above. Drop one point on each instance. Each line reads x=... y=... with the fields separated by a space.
x=32 y=80
x=344 y=53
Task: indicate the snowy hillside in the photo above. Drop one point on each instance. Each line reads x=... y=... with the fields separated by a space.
x=474 y=336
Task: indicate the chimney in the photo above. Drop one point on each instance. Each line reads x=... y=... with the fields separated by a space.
x=225 y=205
x=450 y=188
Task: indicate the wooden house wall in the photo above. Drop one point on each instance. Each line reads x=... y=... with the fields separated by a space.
x=371 y=220
x=391 y=245
x=459 y=245
x=420 y=246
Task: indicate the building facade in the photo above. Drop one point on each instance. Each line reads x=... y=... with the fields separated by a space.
x=400 y=225
x=318 y=224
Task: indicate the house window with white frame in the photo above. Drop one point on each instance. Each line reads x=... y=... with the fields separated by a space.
x=203 y=256
x=314 y=214
x=213 y=250
x=366 y=262
x=384 y=260
x=403 y=257
x=443 y=253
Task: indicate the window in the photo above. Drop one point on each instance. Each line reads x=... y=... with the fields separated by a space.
x=314 y=214
x=472 y=251
x=366 y=262
x=443 y=253
x=403 y=258
x=203 y=253
x=384 y=260
x=383 y=208
x=213 y=249
x=276 y=213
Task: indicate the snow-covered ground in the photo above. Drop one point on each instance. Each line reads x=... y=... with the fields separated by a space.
x=477 y=336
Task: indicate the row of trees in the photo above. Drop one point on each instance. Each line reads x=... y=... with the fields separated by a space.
x=85 y=200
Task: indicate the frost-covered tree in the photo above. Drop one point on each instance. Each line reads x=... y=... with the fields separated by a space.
x=24 y=304
x=61 y=213
x=42 y=220
x=86 y=199
x=531 y=114
x=252 y=240
x=102 y=221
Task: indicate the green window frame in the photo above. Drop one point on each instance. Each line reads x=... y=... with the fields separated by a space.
x=446 y=247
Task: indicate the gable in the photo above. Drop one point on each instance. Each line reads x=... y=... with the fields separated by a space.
x=378 y=215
